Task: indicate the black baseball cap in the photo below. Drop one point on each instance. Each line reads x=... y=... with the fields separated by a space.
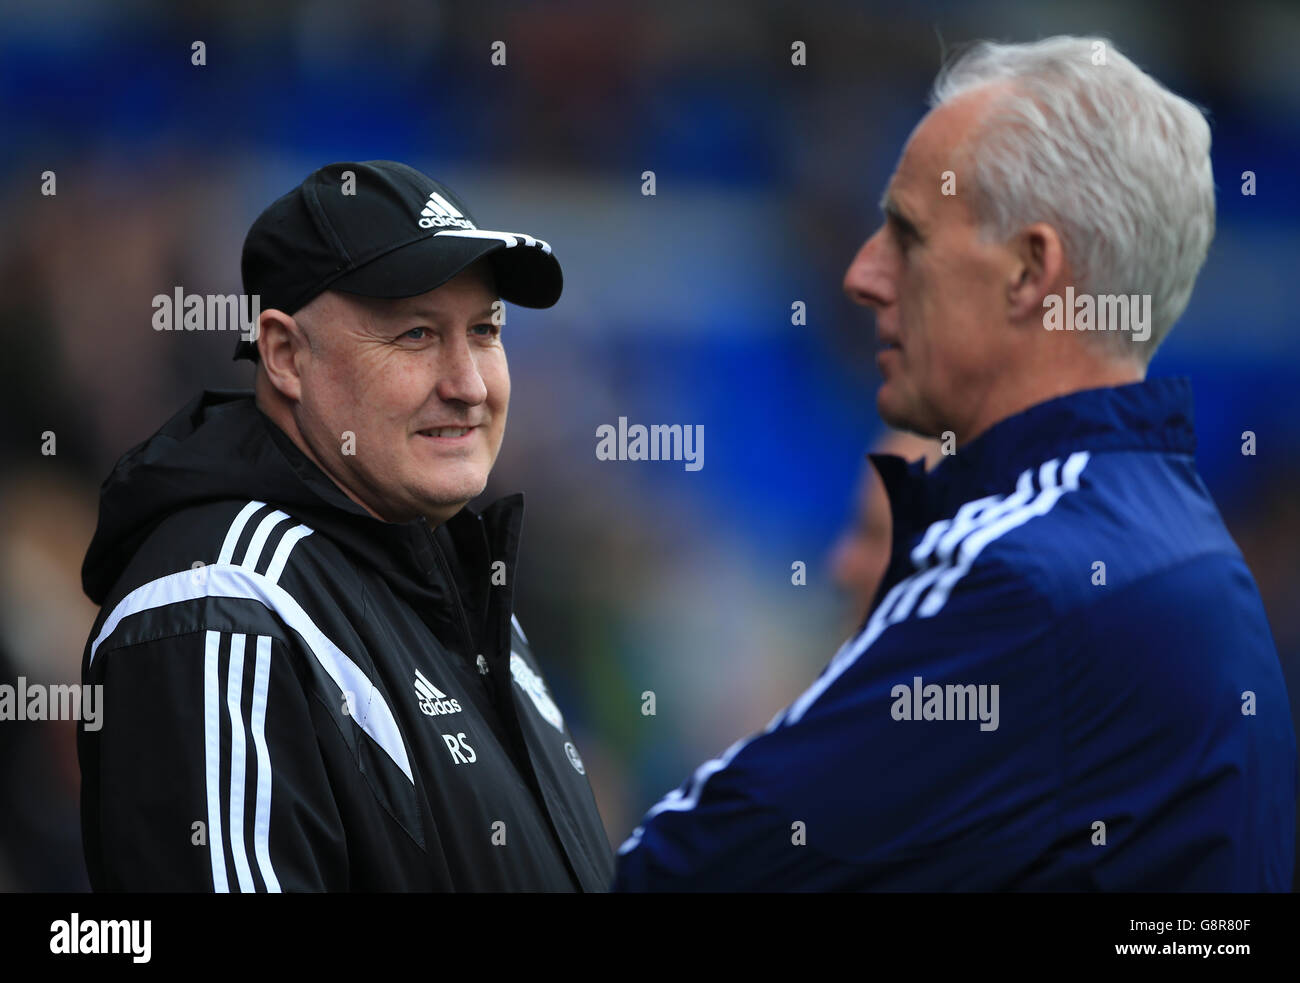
x=395 y=233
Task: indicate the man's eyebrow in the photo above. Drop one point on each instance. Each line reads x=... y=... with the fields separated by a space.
x=895 y=214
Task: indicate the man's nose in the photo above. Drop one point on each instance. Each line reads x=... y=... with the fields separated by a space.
x=868 y=280
x=459 y=379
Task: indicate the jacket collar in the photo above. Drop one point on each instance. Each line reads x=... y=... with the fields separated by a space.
x=1153 y=415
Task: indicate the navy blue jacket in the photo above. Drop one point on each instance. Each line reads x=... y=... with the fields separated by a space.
x=1067 y=682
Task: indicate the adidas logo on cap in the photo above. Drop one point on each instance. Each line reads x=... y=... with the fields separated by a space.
x=439 y=213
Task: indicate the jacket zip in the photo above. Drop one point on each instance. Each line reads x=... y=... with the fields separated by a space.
x=466 y=632
x=522 y=755
x=485 y=678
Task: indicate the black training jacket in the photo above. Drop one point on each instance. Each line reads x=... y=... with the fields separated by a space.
x=301 y=697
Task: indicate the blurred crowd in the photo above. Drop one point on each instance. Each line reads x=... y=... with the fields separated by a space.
x=635 y=577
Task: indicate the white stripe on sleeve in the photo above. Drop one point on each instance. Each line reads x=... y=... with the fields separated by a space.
x=236 y=529
x=238 y=761
x=212 y=756
x=254 y=551
x=262 y=819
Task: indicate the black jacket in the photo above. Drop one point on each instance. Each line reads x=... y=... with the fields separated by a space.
x=299 y=696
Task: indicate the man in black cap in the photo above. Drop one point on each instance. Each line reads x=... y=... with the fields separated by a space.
x=313 y=677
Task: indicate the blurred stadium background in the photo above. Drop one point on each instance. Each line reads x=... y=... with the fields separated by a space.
x=635 y=576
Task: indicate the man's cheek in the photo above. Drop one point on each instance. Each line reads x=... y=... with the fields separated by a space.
x=498 y=384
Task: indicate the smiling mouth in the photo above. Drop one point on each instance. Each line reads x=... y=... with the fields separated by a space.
x=445 y=432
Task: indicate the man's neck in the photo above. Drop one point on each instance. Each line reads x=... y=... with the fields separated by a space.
x=280 y=415
x=1047 y=382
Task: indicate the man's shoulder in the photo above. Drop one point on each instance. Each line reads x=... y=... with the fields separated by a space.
x=253 y=542
x=1130 y=520
x=1127 y=560
x=231 y=566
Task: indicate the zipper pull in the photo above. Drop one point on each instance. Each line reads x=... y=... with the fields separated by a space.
x=482 y=666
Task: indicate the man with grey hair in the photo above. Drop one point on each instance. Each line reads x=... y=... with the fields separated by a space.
x=1066 y=680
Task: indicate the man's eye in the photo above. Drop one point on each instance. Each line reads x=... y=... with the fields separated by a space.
x=416 y=334
x=486 y=330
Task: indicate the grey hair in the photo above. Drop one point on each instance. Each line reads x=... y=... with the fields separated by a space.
x=1086 y=141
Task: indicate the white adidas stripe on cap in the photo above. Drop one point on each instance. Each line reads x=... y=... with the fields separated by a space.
x=511 y=239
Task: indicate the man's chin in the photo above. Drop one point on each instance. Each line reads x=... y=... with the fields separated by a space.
x=448 y=499
x=892 y=409
x=900 y=415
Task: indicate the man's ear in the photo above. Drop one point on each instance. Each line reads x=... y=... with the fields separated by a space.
x=1039 y=269
x=279 y=342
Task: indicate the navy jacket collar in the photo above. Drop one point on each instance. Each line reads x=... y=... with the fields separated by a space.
x=1153 y=415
